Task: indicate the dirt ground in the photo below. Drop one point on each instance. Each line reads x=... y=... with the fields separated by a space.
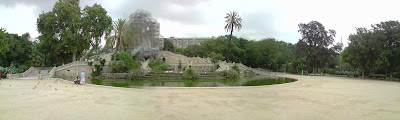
x=310 y=98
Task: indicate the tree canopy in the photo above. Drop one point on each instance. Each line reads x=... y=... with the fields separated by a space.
x=66 y=31
x=315 y=44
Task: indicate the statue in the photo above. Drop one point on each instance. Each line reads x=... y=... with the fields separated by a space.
x=222 y=67
x=145 y=66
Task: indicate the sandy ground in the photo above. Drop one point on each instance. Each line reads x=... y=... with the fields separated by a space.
x=310 y=98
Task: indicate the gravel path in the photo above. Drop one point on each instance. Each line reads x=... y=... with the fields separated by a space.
x=310 y=98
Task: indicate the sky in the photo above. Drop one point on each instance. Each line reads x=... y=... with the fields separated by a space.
x=205 y=18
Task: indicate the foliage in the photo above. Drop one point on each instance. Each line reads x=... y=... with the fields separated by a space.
x=390 y=50
x=102 y=61
x=8 y=70
x=157 y=65
x=3 y=46
x=36 y=55
x=190 y=74
x=219 y=45
x=231 y=74
x=195 y=51
x=65 y=31
x=136 y=73
x=362 y=50
x=315 y=43
x=97 y=71
x=215 y=57
x=96 y=21
x=236 y=68
x=124 y=63
x=19 y=50
x=233 y=21
x=123 y=38
x=179 y=50
x=90 y=63
x=262 y=53
x=168 y=45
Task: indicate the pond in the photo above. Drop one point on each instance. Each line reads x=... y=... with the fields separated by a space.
x=257 y=81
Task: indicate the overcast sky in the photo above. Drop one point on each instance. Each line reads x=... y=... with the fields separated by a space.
x=205 y=18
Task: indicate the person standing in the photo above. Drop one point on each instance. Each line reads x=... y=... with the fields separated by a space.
x=82 y=77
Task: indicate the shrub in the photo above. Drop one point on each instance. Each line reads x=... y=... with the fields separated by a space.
x=236 y=68
x=102 y=61
x=22 y=68
x=215 y=57
x=124 y=64
x=396 y=74
x=136 y=74
x=157 y=65
x=232 y=74
x=330 y=71
x=8 y=70
x=97 y=70
x=190 y=74
x=90 y=63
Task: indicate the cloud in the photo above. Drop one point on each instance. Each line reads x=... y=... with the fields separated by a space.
x=40 y=5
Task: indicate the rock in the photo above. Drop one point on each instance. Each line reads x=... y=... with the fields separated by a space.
x=223 y=66
x=145 y=66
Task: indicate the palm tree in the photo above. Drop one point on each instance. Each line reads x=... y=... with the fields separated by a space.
x=233 y=20
x=123 y=37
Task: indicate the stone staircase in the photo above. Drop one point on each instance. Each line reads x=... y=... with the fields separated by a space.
x=33 y=72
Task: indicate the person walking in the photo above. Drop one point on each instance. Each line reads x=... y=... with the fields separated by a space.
x=82 y=77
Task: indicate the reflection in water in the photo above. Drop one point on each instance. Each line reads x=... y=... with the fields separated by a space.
x=257 y=81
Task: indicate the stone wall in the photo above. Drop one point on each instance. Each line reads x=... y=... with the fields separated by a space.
x=173 y=58
x=71 y=70
x=115 y=75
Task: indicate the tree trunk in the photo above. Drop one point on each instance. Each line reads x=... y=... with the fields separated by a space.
x=73 y=56
x=229 y=46
x=116 y=50
x=363 y=71
x=391 y=76
x=313 y=70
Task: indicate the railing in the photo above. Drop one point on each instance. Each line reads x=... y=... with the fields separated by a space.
x=78 y=63
x=52 y=72
x=14 y=76
x=27 y=71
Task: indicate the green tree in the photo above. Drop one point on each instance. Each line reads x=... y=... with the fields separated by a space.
x=36 y=56
x=220 y=44
x=195 y=51
x=124 y=36
x=215 y=57
x=263 y=53
x=66 y=31
x=3 y=46
x=363 y=49
x=19 y=49
x=69 y=26
x=314 y=44
x=96 y=21
x=233 y=21
x=168 y=45
x=390 y=30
